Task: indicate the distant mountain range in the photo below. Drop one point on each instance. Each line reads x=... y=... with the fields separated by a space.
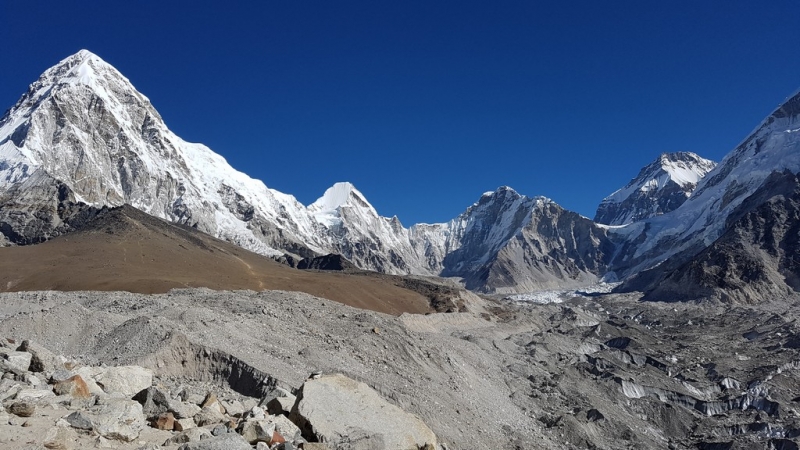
x=82 y=138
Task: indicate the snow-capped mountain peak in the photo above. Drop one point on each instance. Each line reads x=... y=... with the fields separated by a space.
x=83 y=137
x=327 y=209
x=338 y=195
x=660 y=187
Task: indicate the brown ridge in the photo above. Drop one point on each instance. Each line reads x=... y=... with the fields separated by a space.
x=124 y=249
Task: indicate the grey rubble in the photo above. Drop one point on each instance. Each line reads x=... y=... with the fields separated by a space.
x=33 y=413
x=603 y=372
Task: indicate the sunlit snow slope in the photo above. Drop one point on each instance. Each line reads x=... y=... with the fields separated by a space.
x=660 y=187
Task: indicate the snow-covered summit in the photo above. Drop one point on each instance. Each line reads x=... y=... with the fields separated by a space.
x=659 y=188
x=327 y=209
x=83 y=135
x=772 y=148
x=84 y=124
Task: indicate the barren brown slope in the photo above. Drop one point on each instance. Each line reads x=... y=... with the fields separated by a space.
x=124 y=249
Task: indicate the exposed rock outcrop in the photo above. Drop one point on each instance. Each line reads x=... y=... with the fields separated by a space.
x=756 y=258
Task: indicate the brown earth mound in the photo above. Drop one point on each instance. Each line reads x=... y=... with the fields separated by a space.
x=124 y=249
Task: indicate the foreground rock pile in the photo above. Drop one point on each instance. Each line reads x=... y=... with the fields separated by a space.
x=595 y=372
x=53 y=402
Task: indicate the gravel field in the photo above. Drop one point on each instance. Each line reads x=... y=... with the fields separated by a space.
x=596 y=371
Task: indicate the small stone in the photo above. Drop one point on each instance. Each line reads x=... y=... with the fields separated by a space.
x=60 y=438
x=335 y=402
x=193 y=397
x=256 y=430
x=79 y=420
x=102 y=442
x=73 y=386
x=233 y=408
x=34 y=394
x=154 y=401
x=211 y=399
x=256 y=412
x=285 y=427
x=182 y=410
x=315 y=446
x=62 y=423
x=20 y=361
x=22 y=409
x=281 y=405
x=165 y=421
x=276 y=439
x=33 y=380
x=26 y=424
x=228 y=441
x=88 y=374
x=42 y=359
x=60 y=375
x=184 y=424
x=118 y=419
x=83 y=403
x=190 y=435
x=376 y=330
x=262 y=446
x=9 y=389
x=210 y=415
x=219 y=429
x=594 y=415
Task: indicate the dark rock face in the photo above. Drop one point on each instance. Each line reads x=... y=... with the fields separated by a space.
x=557 y=248
x=39 y=209
x=515 y=243
x=755 y=258
x=327 y=262
x=661 y=186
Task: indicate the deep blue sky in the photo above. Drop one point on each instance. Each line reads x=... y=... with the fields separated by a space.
x=424 y=105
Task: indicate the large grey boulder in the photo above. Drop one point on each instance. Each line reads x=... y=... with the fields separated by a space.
x=125 y=381
x=116 y=419
x=336 y=410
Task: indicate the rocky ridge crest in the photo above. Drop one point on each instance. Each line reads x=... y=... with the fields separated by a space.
x=661 y=186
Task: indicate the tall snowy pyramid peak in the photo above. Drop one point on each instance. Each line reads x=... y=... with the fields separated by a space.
x=660 y=187
x=84 y=124
x=338 y=195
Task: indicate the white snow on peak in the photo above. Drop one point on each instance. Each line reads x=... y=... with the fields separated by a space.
x=683 y=173
x=327 y=209
x=774 y=146
x=684 y=168
x=334 y=197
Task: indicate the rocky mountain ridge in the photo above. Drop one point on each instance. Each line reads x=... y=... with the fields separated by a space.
x=84 y=128
x=661 y=186
x=82 y=138
x=753 y=181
